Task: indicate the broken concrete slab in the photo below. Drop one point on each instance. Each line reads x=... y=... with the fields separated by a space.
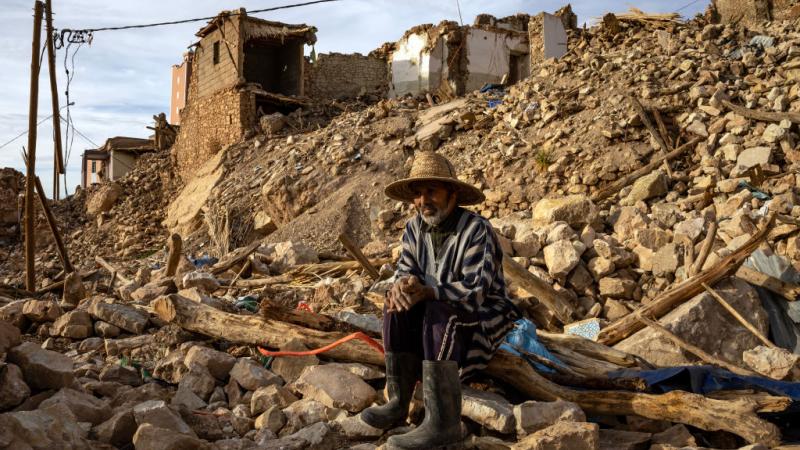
x=533 y=416
x=488 y=409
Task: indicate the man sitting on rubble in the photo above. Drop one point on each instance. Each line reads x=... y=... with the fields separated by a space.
x=447 y=311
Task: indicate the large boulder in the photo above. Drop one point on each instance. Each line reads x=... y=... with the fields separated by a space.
x=574 y=209
x=75 y=324
x=153 y=437
x=533 y=416
x=651 y=185
x=117 y=430
x=47 y=428
x=125 y=317
x=103 y=199
x=42 y=369
x=251 y=376
x=773 y=362
x=488 y=409
x=156 y=412
x=563 y=436
x=85 y=407
x=9 y=336
x=334 y=387
x=702 y=321
x=561 y=257
x=218 y=363
x=13 y=389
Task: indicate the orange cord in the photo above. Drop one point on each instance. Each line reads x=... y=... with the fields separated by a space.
x=357 y=335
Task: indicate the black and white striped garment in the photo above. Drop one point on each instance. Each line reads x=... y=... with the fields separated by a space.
x=468 y=273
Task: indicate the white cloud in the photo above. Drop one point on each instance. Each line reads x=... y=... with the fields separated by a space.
x=123 y=78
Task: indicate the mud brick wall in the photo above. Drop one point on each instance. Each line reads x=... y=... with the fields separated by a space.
x=12 y=183
x=536 y=40
x=338 y=76
x=209 y=77
x=208 y=125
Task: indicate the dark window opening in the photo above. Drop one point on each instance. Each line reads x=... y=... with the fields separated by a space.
x=94 y=167
x=276 y=66
x=216 y=52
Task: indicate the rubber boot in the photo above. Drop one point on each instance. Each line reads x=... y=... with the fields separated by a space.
x=441 y=428
x=402 y=374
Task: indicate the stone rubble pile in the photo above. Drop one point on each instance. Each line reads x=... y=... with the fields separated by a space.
x=111 y=365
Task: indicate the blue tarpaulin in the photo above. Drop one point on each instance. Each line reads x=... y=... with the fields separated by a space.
x=707 y=379
x=522 y=341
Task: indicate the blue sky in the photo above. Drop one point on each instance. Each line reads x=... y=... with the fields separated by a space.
x=123 y=78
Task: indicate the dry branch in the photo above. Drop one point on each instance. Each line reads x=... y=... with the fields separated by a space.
x=786 y=290
x=764 y=116
x=738 y=316
x=545 y=293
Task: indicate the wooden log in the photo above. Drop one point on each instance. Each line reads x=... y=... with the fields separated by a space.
x=51 y=222
x=256 y=330
x=616 y=186
x=543 y=292
x=111 y=269
x=58 y=163
x=233 y=258
x=60 y=284
x=693 y=349
x=588 y=348
x=738 y=316
x=737 y=417
x=175 y=246
x=637 y=106
x=356 y=253
x=786 y=290
x=684 y=291
x=705 y=249
x=764 y=116
x=273 y=311
x=120 y=346
x=30 y=174
x=734 y=416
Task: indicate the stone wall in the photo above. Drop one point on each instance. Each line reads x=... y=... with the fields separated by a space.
x=339 y=76
x=12 y=183
x=208 y=125
x=755 y=12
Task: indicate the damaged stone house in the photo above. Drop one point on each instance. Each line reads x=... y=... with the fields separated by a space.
x=243 y=68
x=113 y=160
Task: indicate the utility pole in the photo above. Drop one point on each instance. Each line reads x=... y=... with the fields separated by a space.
x=30 y=178
x=58 y=165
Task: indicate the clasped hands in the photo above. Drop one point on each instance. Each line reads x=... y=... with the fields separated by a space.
x=407 y=292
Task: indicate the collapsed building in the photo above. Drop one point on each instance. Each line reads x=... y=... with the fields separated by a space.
x=113 y=160
x=244 y=68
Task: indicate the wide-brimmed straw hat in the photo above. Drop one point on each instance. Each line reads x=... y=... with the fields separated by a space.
x=431 y=166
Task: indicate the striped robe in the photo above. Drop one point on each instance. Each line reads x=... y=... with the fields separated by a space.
x=468 y=273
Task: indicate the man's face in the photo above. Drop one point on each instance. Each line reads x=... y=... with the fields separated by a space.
x=434 y=201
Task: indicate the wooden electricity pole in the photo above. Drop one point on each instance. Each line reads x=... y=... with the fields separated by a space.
x=30 y=178
x=58 y=167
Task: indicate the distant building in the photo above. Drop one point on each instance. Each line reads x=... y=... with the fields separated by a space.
x=181 y=74
x=113 y=160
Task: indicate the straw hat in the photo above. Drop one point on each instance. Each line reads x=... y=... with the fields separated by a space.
x=431 y=166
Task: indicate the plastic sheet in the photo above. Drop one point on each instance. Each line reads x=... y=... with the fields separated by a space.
x=784 y=317
x=523 y=341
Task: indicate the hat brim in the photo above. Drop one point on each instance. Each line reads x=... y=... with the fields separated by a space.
x=466 y=193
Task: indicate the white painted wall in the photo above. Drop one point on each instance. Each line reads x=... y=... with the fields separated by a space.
x=488 y=54
x=411 y=66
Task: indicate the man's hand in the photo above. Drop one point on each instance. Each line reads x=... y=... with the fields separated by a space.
x=407 y=292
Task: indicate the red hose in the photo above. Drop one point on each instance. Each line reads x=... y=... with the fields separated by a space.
x=357 y=335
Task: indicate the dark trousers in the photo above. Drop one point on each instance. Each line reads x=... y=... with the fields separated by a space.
x=432 y=329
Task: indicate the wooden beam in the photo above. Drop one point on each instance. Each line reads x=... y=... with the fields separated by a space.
x=738 y=316
x=111 y=269
x=537 y=287
x=786 y=290
x=764 y=116
x=682 y=292
x=637 y=106
x=51 y=222
x=705 y=249
x=58 y=167
x=33 y=110
x=737 y=416
x=356 y=253
x=256 y=330
x=616 y=186
x=734 y=416
x=175 y=246
x=693 y=349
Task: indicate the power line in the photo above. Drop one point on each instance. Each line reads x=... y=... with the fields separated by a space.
x=177 y=22
x=26 y=131
x=686 y=6
x=75 y=130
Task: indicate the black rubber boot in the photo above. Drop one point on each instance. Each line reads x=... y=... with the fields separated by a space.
x=441 y=428
x=402 y=374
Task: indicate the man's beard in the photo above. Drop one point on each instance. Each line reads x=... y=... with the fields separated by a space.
x=434 y=219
